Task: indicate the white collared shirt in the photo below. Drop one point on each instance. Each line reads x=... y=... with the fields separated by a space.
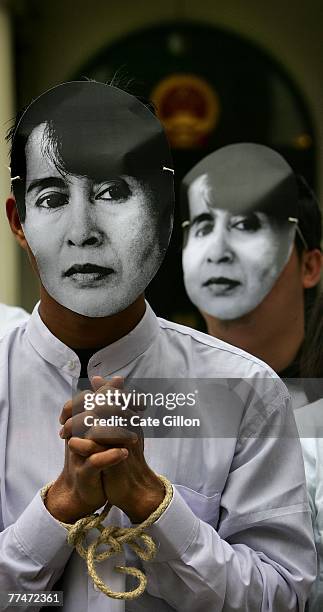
x=10 y=317
x=237 y=534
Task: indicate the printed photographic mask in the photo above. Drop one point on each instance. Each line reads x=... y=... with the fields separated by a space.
x=95 y=194
x=239 y=237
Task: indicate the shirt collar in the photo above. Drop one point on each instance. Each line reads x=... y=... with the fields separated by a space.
x=107 y=360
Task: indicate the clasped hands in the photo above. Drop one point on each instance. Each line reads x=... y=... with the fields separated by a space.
x=106 y=464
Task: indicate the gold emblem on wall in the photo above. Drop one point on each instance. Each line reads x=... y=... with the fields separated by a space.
x=188 y=107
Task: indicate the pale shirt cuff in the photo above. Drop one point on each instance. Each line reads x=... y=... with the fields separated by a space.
x=175 y=530
x=41 y=536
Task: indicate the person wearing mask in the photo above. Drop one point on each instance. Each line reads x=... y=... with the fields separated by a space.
x=93 y=208
x=251 y=255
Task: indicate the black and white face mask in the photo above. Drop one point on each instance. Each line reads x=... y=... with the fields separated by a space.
x=242 y=208
x=94 y=193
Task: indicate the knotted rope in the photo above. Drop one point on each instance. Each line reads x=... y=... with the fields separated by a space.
x=115 y=538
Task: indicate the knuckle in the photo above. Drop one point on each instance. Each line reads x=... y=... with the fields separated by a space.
x=91 y=461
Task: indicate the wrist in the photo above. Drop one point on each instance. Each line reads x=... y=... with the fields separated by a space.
x=144 y=501
x=64 y=504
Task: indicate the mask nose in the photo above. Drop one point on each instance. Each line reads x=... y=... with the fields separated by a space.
x=83 y=225
x=219 y=250
x=84 y=238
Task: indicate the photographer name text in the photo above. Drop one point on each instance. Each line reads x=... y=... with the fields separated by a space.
x=136 y=420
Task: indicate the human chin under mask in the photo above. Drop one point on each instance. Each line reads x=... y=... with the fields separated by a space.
x=242 y=210
x=94 y=195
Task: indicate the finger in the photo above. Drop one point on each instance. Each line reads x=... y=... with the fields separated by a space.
x=98 y=382
x=107 y=458
x=77 y=427
x=112 y=436
x=66 y=412
x=84 y=447
x=117 y=382
x=79 y=402
x=74 y=426
x=73 y=406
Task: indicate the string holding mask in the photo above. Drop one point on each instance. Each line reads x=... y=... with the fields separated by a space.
x=12 y=178
x=299 y=231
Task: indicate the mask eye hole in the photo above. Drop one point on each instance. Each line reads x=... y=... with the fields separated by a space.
x=202 y=225
x=115 y=190
x=246 y=223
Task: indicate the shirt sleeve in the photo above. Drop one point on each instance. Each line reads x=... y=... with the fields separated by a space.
x=313 y=456
x=309 y=456
x=261 y=555
x=33 y=551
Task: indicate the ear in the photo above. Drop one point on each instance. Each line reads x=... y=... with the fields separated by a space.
x=14 y=221
x=312 y=262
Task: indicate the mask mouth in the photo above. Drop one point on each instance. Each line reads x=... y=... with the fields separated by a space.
x=88 y=273
x=221 y=283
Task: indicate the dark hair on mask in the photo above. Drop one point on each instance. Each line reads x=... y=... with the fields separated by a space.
x=76 y=135
x=309 y=216
x=309 y=222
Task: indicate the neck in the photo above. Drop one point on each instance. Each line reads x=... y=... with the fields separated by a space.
x=274 y=342
x=80 y=332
